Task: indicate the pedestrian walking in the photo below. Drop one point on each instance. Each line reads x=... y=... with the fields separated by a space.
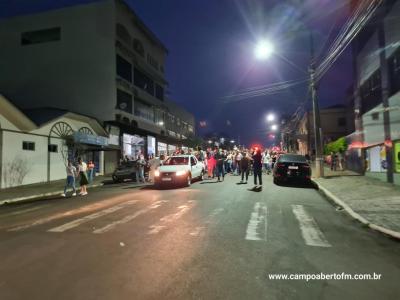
x=257 y=168
x=141 y=163
x=220 y=158
x=333 y=161
x=71 y=174
x=245 y=167
x=211 y=164
x=340 y=160
x=238 y=158
x=90 y=171
x=266 y=158
x=83 y=181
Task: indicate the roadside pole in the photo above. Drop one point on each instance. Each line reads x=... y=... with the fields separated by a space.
x=319 y=160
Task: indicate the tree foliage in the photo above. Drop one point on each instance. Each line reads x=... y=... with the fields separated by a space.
x=339 y=145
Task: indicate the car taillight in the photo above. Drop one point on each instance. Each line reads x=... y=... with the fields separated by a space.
x=280 y=165
x=306 y=166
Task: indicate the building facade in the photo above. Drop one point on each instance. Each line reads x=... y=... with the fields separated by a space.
x=376 y=51
x=299 y=134
x=97 y=59
x=36 y=145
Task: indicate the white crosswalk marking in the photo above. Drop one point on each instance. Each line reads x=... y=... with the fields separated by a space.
x=156 y=228
x=90 y=217
x=127 y=218
x=255 y=227
x=309 y=229
x=212 y=218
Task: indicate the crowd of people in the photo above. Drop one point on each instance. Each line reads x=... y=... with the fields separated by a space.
x=240 y=162
x=217 y=162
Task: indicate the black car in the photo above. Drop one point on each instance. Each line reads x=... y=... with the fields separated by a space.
x=292 y=167
x=126 y=170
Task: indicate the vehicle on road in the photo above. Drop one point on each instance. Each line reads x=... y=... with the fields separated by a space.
x=179 y=170
x=126 y=170
x=291 y=167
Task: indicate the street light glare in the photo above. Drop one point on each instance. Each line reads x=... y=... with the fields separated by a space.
x=270 y=117
x=274 y=127
x=264 y=50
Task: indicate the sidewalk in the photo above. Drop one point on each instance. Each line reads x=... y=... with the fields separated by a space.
x=43 y=190
x=372 y=202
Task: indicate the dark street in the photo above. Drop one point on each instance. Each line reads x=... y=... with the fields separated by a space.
x=209 y=241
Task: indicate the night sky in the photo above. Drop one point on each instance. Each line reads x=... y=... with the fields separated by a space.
x=211 y=46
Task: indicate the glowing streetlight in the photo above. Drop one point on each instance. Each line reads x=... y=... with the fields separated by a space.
x=232 y=141
x=274 y=127
x=263 y=50
x=210 y=141
x=270 y=117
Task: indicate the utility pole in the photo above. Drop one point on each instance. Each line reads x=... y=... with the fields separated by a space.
x=319 y=160
x=385 y=85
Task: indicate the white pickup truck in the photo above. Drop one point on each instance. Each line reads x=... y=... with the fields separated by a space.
x=179 y=169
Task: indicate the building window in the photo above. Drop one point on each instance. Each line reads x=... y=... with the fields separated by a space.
x=159 y=92
x=123 y=34
x=41 y=36
x=375 y=116
x=138 y=47
x=30 y=146
x=53 y=148
x=341 y=122
x=124 y=101
x=371 y=92
x=144 y=82
x=152 y=62
x=124 y=68
x=144 y=110
x=394 y=72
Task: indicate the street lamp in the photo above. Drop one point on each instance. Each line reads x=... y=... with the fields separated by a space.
x=274 y=127
x=210 y=141
x=270 y=117
x=232 y=141
x=264 y=49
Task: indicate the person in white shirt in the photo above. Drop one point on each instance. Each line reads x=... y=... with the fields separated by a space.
x=266 y=159
x=71 y=173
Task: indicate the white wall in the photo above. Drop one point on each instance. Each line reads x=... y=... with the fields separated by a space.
x=374 y=129
x=32 y=164
x=5 y=124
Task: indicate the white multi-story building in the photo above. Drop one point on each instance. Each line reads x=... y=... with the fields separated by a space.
x=98 y=59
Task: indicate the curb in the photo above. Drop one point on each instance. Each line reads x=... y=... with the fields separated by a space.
x=358 y=217
x=38 y=196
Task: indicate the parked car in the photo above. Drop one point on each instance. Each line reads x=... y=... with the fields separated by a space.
x=126 y=170
x=179 y=170
x=291 y=167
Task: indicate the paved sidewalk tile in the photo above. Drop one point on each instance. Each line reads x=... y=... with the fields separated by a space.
x=376 y=201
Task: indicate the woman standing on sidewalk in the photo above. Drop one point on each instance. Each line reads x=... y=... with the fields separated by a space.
x=71 y=173
x=83 y=181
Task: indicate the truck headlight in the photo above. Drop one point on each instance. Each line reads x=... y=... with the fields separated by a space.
x=180 y=173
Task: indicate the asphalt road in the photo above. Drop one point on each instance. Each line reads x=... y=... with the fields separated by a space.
x=209 y=241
